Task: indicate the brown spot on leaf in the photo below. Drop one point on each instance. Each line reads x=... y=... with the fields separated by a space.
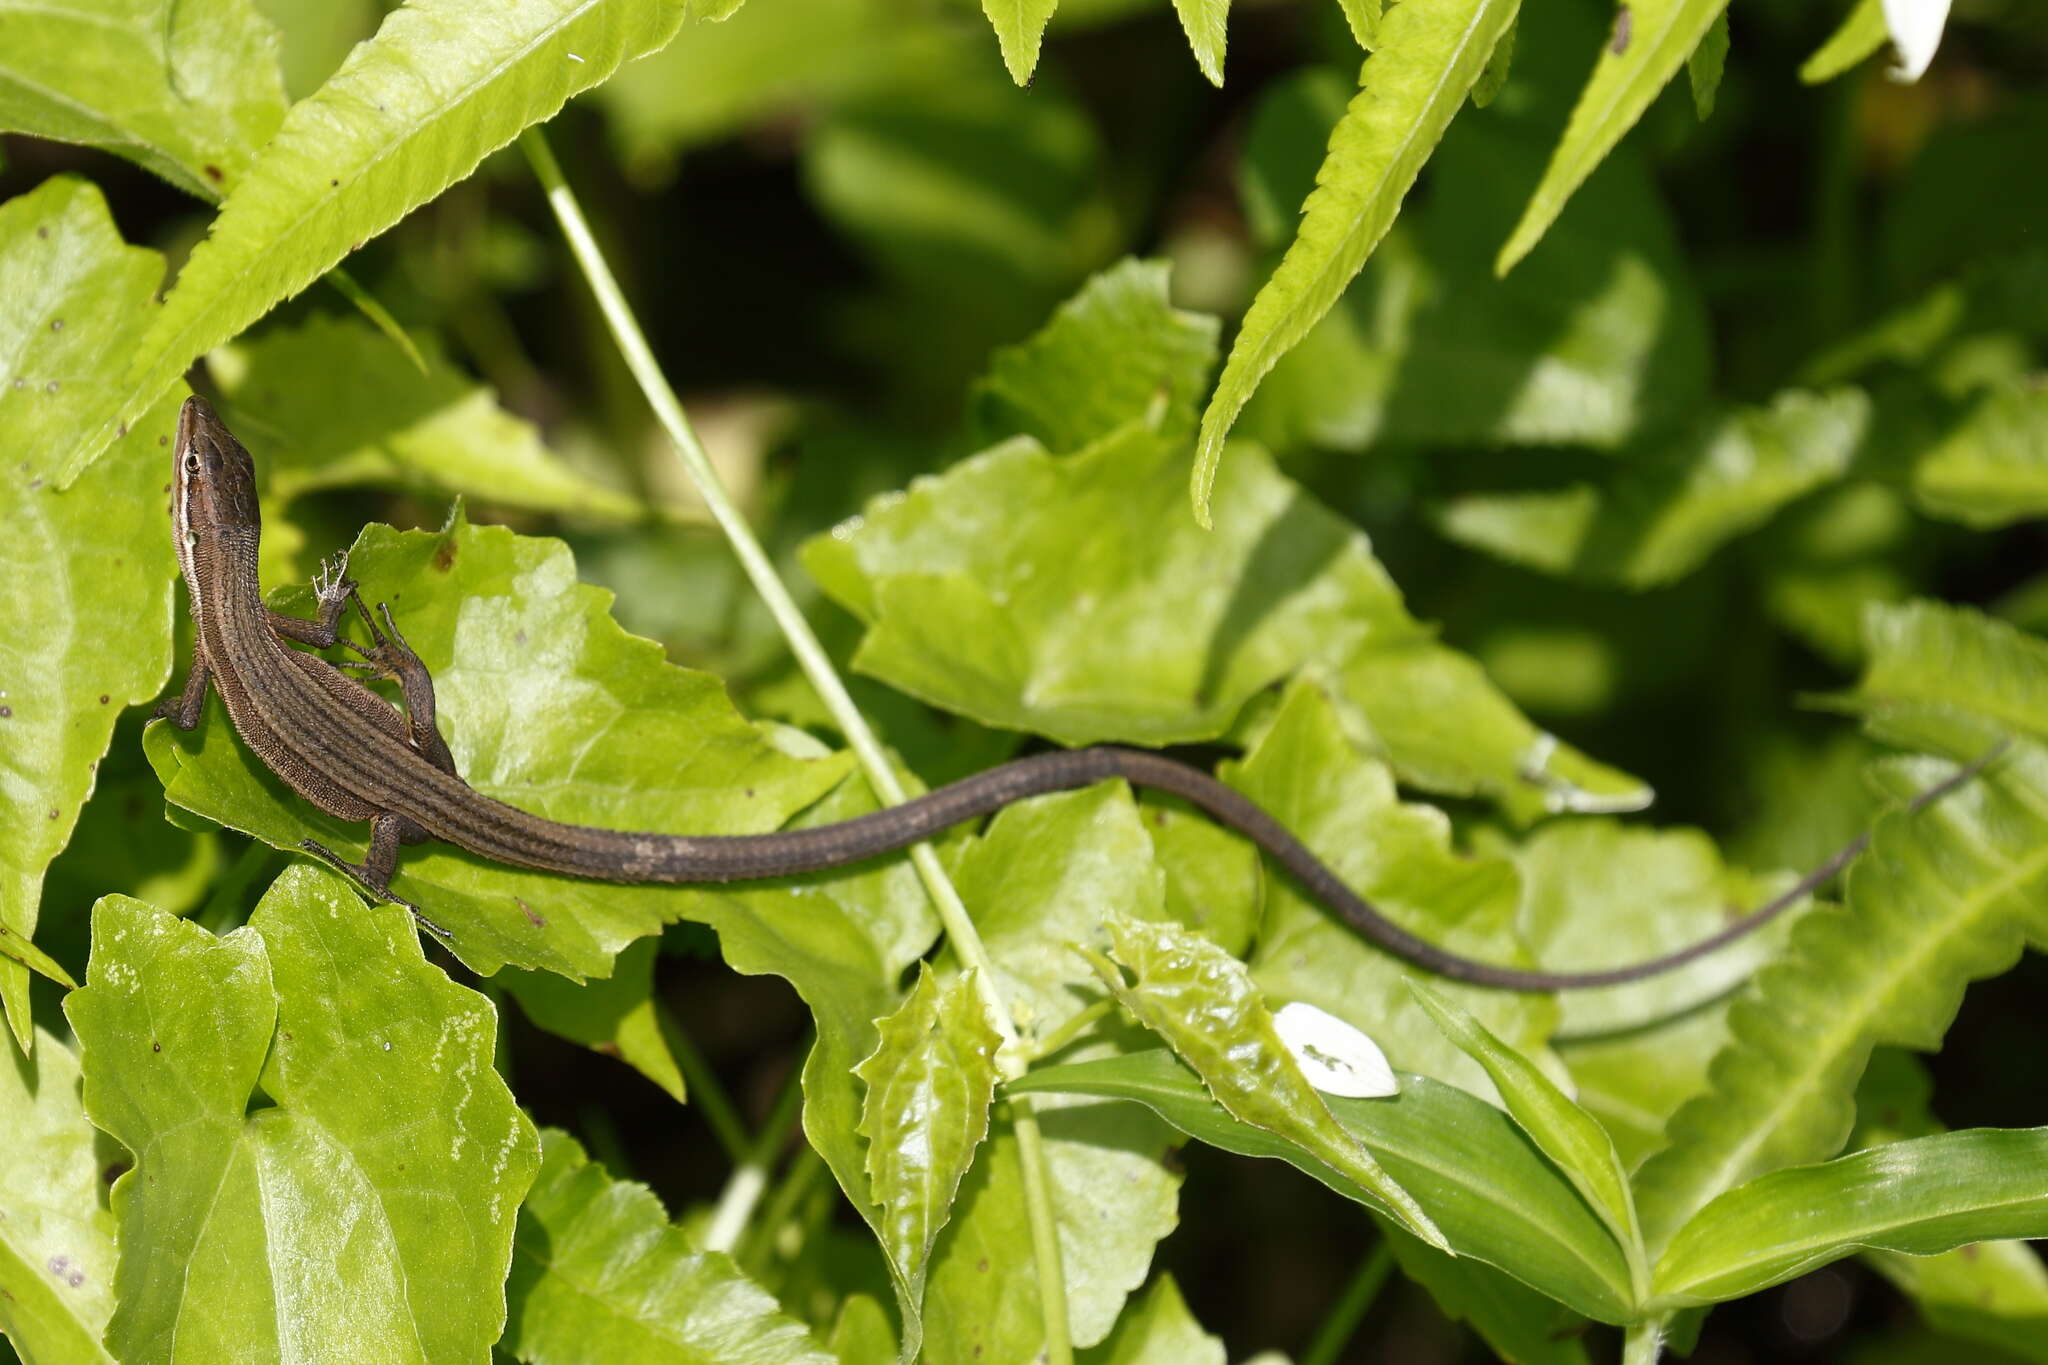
x=56 y=324
x=103 y=699
x=156 y=1047
x=607 y=1047
x=1624 y=26
x=444 y=554
x=213 y=173
x=533 y=916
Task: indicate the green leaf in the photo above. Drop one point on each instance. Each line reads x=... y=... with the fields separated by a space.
x=85 y=608
x=1202 y=1002
x=1430 y=54
x=338 y=405
x=255 y=1078
x=1344 y=808
x=78 y=302
x=1116 y=353
x=1944 y=896
x=1568 y=1135
x=1205 y=22
x=56 y=1236
x=1019 y=26
x=862 y=1335
x=1518 y=1322
x=1920 y=1196
x=189 y=89
x=412 y=111
x=1665 y=511
x=1927 y=656
x=1652 y=38
x=1862 y=32
x=546 y=703
x=1703 y=68
x=1990 y=468
x=599 y=1273
x=1158 y=1330
x=1484 y=1183
x=929 y=1080
x=1363 y=17
x=617 y=1015
x=1495 y=76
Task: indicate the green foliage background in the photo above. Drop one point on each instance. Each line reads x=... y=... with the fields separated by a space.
x=1575 y=467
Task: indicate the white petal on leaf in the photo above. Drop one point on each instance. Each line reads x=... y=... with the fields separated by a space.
x=1916 y=32
x=1335 y=1057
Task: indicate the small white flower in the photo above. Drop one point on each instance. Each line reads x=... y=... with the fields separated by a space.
x=1916 y=31
x=1336 y=1058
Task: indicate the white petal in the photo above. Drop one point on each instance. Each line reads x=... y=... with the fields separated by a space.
x=1916 y=31
x=1336 y=1058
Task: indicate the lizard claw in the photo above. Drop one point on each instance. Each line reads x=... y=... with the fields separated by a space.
x=331 y=582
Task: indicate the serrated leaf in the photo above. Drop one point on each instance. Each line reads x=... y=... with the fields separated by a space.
x=77 y=305
x=1920 y=1196
x=1363 y=17
x=1484 y=1183
x=1568 y=1135
x=1019 y=26
x=599 y=1273
x=1158 y=1330
x=1652 y=39
x=337 y=405
x=1944 y=896
x=1703 y=67
x=1205 y=21
x=85 y=594
x=1344 y=808
x=546 y=703
x=1931 y=656
x=255 y=1078
x=189 y=89
x=1861 y=33
x=617 y=1015
x=1990 y=468
x=1666 y=510
x=1203 y=1003
x=1497 y=67
x=929 y=1081
x=56 y=1235
x=1430 y=53
x=413 y=110
x=1116 y=353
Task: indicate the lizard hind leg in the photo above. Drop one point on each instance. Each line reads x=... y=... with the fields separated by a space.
x=373 y=873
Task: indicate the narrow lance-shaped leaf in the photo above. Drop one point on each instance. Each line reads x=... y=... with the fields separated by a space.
x=599 y=1273
x=1862 y=32
x=1920 y=1196
x=929 y=1083
x=1202 y=1002
x=1430 y=54
x=1019 y=26
x=1704 y=67
x=412 y=111
x=1651 y=40
x=1204 y=22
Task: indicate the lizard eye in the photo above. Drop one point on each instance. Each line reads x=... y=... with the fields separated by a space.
x=192 y=463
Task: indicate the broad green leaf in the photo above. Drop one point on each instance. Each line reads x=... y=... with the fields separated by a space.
x=189 y=89
x=77 y=304
x=1344 y=808
x=862 y=1335
x=1116 y=353
x=1930 y=656
x=1203 y=1003
x=1944 y=896
x=1920 y=1196
x=255 y=1078
x=599 y=1273
x=1991 y=1293
x=1019 y=26
x=1861 y=33
x=85 y=601
x=1568 y=1135
x=930 y=1081
x=1430 y=53
x=1990 y=468
x=1205 y=22
x=1158 y=1330
x=617 y=1015
x=412 y=111
x=764 y=63
x=1662 y=514
x=56 y=1236
x=546 y=704
x=337 y=404
x=1703 y=68
x=1600 y=336
x=1483 y=1182
x=1651 y=40
x=1518 y=1322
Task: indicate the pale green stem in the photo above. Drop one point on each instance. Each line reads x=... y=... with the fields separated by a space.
x=1644 y=1343
x=1340 y=1324
x=824 y=679
x=749 y=1179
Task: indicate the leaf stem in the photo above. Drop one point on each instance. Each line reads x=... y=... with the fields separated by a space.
x=1644 y=1342
x=744 y=1187
x=702 y=1086
x=817 y=667
x=1341 y=1323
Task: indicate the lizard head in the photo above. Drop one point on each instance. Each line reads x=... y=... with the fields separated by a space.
x=213 y=484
